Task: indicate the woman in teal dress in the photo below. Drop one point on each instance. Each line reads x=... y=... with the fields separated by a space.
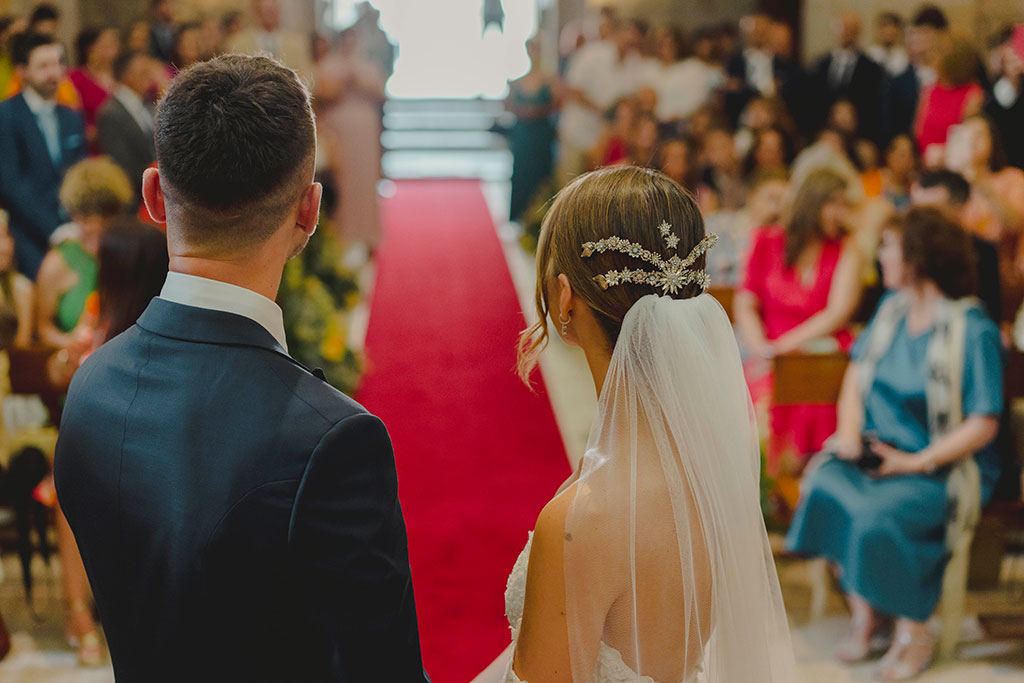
x=532 y=99
x=924 y=392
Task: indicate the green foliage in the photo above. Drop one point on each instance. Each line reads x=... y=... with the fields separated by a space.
x=316 y=295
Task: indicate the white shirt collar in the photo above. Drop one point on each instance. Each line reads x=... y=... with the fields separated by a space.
x=36 y=103
x=200 y=292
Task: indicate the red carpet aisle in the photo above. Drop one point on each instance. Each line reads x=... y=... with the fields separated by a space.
x=478 y=455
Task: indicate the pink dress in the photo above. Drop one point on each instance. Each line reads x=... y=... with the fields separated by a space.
x=786 y=302
x=92 y=94
x=941 y=108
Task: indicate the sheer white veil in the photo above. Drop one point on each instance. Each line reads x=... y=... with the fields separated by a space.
x=665 y=518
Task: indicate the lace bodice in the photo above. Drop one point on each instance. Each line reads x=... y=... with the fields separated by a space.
x=610 y=666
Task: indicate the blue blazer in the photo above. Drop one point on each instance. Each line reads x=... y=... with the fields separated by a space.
x=29 y=180
x=238 y=516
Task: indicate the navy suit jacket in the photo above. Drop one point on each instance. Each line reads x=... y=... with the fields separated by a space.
x=238 y=517
x=30 y=181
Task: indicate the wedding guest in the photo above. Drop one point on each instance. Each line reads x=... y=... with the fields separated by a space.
x=137 y=37
x=949 y=191
x=676 y=161
x=267 y=36
x=893 y=180
x=888 y=49
x=750 y=72
x=771 y=151
x=188 y=46
x=1005 y=103
x=847 y=73
x=599 y=74
x=722 y=185
x=95 y=193
x=764 y=206
x=39 y=140
x=802 y=283
x=925 y=390
x=17 y=293
x=162 y=29
x=44 y=21
x=612 y=146
x=903 y=91
x=125 y=123
x=643 y=146
x=683 y=85
x=955 y=96
x=349 y=91
x=533 y=99
x=94 y=77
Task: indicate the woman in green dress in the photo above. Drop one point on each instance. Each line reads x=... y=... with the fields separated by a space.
x=95 y=192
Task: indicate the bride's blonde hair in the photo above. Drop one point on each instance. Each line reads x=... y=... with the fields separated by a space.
x=625 y=201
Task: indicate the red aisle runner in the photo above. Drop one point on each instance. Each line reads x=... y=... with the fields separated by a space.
x=478 y=455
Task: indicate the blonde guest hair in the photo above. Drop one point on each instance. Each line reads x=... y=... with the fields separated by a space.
x=96 y=187
x=625 y=201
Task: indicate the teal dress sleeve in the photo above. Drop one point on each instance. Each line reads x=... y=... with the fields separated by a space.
x=983 y=367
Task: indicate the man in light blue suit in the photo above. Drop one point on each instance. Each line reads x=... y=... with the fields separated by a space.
x=39 y=141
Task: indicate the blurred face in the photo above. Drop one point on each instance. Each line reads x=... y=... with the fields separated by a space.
x=759 y=114
x=647 y=135
x=138 y=39
x=190 y=47
x=44 y=71
x=889 y=35
x=646 y=99
x=890 y=256
x=900 y=158
x=848 y=30
x=630 y=38
x=968 y=146
x=766 y=202
x=268 y=14
x=675 y=161
x=46 y=27
x=771 y=150
x=719 y=150
x=844 y=116
x=705 y=49
x=106 y=48
x=834 y=216
x=921 y=42
x=138 y=75
x=6 y=247
x=781 y=39
x=667 y=51
x=165 y=10
x=625 y=116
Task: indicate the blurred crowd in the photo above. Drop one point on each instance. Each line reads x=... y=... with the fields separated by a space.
x=79 y=257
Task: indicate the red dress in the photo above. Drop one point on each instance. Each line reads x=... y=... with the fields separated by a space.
x=941 y=108
x=92 y=95
x=786 y=302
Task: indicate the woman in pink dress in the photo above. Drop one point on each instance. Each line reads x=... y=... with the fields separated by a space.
x=955 y=96
x=94 y=77
x=349 y=91
x=802 y=285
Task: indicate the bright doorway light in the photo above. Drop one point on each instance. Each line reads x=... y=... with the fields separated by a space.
x=442 y=49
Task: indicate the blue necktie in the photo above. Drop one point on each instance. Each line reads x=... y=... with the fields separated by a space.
x=50 y=129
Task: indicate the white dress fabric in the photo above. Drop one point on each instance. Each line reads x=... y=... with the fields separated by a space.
x=668 y=571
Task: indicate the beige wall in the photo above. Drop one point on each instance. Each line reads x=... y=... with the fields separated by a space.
x=979 y=18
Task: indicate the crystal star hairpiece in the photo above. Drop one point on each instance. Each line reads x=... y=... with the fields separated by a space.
x=672 y=274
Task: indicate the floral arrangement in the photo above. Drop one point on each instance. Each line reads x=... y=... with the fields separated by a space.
x=316 y=296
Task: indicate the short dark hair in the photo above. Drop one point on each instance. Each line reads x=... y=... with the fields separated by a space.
x=44 y=11
x=931 y=16
x=938 y=249
x=956 y=186
x=124 y=61
x=24 y=44
x=889 y=19
x=235 y=142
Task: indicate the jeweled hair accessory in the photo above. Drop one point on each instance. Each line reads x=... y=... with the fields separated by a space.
x=673 y=273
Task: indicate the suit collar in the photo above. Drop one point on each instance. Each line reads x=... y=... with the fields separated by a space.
x=205 y=326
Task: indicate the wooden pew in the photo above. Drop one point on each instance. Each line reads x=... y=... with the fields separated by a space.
x=725 y=296
x=29 y=376
x=808 y=378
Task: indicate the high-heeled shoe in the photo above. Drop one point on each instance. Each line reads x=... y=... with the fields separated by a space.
x=851 y=651
x=894 y=667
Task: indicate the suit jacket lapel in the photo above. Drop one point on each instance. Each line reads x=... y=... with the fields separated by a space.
x=34 y=136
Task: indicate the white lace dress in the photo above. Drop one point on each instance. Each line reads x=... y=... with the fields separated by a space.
x=610 y=666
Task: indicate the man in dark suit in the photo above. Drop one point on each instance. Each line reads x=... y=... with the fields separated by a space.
x=125 y=122
x=848 y=73
x=1005 y=102
x=39 y=141
x=903 y=91
x=238 y=517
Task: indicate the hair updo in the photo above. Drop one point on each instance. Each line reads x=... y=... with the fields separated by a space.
x=624 y=201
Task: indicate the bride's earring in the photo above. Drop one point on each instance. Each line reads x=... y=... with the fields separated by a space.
x=565 y=324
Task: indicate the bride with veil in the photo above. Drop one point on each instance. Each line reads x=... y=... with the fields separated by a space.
x=652 y=562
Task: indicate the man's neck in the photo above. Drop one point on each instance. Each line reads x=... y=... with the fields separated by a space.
x=257 y=275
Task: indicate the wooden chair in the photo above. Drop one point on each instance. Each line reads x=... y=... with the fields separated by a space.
x=29 y=376
x=725 y=296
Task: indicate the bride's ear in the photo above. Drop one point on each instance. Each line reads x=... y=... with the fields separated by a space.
x=565 y=297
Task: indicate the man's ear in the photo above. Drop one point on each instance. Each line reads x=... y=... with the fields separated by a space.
x=309 y=208
x=153 y=195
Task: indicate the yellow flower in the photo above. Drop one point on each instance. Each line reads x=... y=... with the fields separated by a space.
x=333 y=348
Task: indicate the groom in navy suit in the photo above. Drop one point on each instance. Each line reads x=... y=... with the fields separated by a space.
x=39 y=141
x=238 y=517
